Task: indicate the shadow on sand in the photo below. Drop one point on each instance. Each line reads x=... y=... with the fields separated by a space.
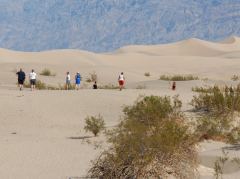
x=80 y=137
x=232 y=147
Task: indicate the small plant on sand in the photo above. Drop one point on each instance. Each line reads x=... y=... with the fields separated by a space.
x=47 y=72
x=109 y=86
x=217 y=112
x=147 y=74
x=94 y=124
x=152 y=141
x=220 y=164
x=92 y=77
x=178 y=77
x=235 y=78
x=64 y=87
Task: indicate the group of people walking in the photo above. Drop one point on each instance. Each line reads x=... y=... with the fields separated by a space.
x=22 y=76
x=33 y=77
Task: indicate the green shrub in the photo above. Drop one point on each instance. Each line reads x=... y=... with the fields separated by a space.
x=47 y=72
x=152 y=141
x=94 y=124
x=178 y=77
x=147 y=74
x=215 y=101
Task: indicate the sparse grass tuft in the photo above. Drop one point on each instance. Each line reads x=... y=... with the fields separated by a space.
x=94 y=124
x=220 y=164
x=64 y=87
x=235 y=78
x=208 y=89
x=147 y=74
x=109 y=86
x=47 y=72
x=92 y=77
x=178 y=77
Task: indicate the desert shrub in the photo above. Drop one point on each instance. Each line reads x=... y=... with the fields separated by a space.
x=147 y=74
x=108 y=86
x=215 y=101
x=208 y=89
x=235 y=78
x=47 y=72
x=178 y=77
x=94 y=124
x=217 y=112
x=152 y=141
x=92 y=77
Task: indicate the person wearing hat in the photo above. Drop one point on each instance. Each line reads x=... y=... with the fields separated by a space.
x=77 y=80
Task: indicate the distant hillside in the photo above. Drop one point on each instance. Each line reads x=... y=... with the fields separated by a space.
x=105 y=25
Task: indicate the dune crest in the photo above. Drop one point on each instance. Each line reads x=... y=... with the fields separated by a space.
x=231 y=40
x=190 y=47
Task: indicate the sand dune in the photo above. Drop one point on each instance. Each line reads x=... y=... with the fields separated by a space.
x=231 y=40
x=36 y=127
x=191 y=47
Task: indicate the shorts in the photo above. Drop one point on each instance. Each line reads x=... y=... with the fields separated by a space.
x=68 y=82
x=121 y=82
x=20 y=82
x=33 y=82
x=78 y=81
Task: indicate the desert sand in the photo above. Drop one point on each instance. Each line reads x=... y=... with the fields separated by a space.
x=41 y=132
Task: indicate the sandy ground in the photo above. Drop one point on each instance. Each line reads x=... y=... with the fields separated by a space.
x=41 y=132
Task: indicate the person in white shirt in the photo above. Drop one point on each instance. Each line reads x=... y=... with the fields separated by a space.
x=32 y=77
x=121 y=80
x=68 y=81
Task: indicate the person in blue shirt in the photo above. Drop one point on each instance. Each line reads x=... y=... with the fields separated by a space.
x=77 y=80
